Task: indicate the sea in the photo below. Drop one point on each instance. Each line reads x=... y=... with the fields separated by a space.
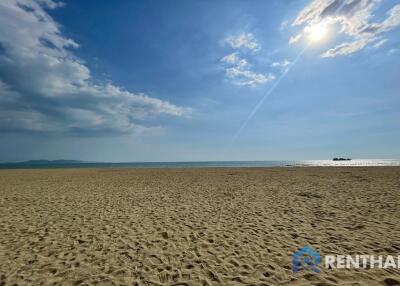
x=201 y=164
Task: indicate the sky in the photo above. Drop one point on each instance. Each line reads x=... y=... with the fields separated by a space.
x=199 y=80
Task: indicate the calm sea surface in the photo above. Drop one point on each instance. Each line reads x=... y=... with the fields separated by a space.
x=209 y=164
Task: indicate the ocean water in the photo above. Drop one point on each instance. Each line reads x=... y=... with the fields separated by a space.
x=203 y=164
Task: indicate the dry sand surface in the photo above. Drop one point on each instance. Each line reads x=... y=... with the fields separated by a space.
x=194 y=226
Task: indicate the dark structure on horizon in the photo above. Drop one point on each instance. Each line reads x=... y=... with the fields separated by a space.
x=341 y=159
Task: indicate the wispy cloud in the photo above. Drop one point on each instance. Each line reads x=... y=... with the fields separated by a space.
x=283 y=64
x=45 y=87
x=283 y=25
x=380 y=43
x=295 y=39
x=355 y=20
x=245 y=77
x=237 y=68
x=243 y=41
x=347 y=48
x=234 y=60
x=393 y=51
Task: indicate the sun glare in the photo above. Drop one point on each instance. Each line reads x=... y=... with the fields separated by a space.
x=317 y=32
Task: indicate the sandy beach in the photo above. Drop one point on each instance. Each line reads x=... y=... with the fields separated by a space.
x=195 y=226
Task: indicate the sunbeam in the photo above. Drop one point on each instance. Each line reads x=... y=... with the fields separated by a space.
x=269 y=92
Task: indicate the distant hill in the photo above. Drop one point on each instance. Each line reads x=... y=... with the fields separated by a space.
x=42 y=163
x=45 y=162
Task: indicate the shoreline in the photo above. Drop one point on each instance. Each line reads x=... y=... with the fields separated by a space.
x=189 y=168
x=178 y=165
x=46 y=164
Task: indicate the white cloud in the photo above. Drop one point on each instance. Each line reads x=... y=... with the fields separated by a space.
x=44 y=87
x=243 y=41
x=379 y=43
x=283 y=25
x=393 y=51
x=50 y=4
x=240 y=71
x=234 y=59
x=295 y=39
x=354 y=18
x=283 y=64
x=247 y=77
x=347 y=48
x=391 y=22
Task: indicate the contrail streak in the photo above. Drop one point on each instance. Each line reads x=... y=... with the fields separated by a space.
x=260 y=103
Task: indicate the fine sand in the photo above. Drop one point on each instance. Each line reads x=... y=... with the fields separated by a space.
x=195 y=226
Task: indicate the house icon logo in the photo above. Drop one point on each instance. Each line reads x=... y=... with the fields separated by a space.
x=306 y=258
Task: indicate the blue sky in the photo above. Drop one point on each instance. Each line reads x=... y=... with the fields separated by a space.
x=177 y=80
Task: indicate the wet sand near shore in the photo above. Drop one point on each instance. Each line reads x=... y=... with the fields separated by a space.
x=222 y=226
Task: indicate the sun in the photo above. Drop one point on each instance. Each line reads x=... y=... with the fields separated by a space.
x=317 y=32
